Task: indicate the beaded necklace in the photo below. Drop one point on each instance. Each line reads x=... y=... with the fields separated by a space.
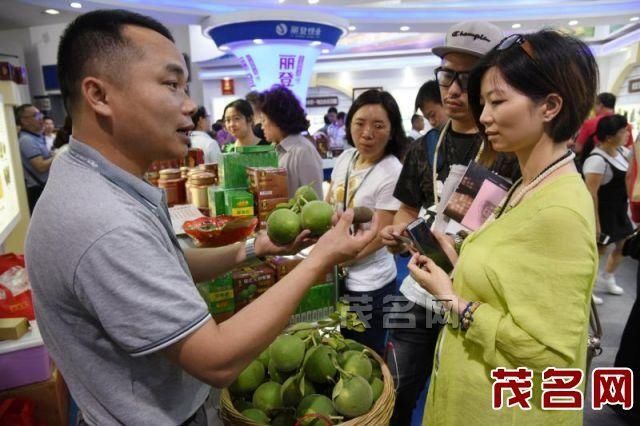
x=509 y=203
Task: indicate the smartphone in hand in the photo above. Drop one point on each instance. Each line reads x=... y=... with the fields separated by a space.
x=427 y=244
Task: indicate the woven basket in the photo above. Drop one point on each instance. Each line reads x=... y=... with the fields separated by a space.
x=380 y=413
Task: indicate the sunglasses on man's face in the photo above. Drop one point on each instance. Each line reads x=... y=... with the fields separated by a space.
x=446 y=77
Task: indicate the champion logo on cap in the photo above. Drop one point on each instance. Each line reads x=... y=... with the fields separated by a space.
x=466 y=34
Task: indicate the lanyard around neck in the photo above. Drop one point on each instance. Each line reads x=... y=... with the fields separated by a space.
x=434 y=168
x=348 y=197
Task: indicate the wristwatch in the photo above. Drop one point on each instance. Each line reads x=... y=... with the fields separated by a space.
x=250 y=250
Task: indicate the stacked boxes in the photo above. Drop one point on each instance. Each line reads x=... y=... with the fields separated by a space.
x=269 y=188
x=232 y=166
x=218 y=294
x=251 y=282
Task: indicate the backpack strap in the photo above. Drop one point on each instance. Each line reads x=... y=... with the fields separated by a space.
x=430 y=144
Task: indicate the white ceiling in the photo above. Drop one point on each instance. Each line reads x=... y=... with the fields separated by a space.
x=366 y=15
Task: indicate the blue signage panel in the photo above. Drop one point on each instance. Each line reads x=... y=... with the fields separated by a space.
x=275 y=30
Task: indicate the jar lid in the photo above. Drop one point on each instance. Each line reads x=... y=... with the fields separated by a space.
x=170 y=173
x=209 y=167
x=202 y=178
x=153 y=175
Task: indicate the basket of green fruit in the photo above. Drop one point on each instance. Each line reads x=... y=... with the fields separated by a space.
x=312 y=376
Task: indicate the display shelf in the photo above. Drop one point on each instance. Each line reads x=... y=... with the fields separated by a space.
x=9 y=206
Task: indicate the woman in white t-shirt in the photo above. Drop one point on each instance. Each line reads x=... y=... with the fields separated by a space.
x=604 y=171
x=366 y=176
x=200 y=138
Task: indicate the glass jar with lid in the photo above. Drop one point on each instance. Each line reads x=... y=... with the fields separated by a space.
x=173 y=185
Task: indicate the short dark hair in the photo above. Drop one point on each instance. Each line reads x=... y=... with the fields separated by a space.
x=397 y=139
x=94 y=43
x=415 y=117
x=326 y=119
x=283 y=108
x=19 y=112
x=332 y=110
x=561 y=64
x=608 y=125
x=428 y=92
x=608 y=100
x=201 y=112
x=255 y=98
x=242 y=106
x=341 y=115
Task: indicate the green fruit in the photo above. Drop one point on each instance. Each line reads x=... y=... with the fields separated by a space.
x=267 y=397
x=256 y=415
x=319 y=366
x=376 y=387
x=376 y=371
x=241 y=404
x=283 y=419
x=291 y=395
x=287 y=352
x=249 y=379
x=355 y=398
x=306 y=193
x=275 y=375
x=252 y=289
x=264 y=358
x=315 y=404
x=353 y=345
x=283 y=226
x=317 y=217
x=358 y=363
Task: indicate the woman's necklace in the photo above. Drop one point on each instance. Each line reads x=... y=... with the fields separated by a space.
x=555 y=165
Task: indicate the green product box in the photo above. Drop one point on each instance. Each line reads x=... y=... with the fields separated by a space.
x=216 y=201
x=231 y=167
x=218 y=293
x=317 y=304
x=238 y=203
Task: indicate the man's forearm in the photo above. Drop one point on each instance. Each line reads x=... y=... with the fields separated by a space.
x=405 y=215
x=208 y=263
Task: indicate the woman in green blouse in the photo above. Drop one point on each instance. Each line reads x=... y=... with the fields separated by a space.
x=521 y=291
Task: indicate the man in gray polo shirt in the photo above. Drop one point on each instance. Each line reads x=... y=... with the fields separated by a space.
x=36 y=158
x=114 y=293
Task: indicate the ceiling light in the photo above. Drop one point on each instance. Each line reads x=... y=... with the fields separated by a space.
x=76 y=5
x=258 y=41
x=226 y=78
x=313 y=1
x=52 y=12
x=352 y=27
x=516 y=26
x=325 y=51
x=573 y=22
x=634 y=19
x=315 y=43
x=405 y=28
x=223 y=48
x=280 y=1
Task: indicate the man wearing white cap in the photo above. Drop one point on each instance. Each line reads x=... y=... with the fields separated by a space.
x=458 y=143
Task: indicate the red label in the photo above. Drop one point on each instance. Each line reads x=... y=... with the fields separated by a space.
x=558 y=389
x=613 y=386
x=517 y=381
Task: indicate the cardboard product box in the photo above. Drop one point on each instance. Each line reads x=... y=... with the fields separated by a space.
x=238 y=203
x=268 y=182
x=13 y=328
x=264 y=207
x=283 y=264
x=250 y=282
x=20 y=74
x=317 y=304
x=216 y=201
x=218 y=293
x=232 y=165
x=6 y=71
x=51 y=399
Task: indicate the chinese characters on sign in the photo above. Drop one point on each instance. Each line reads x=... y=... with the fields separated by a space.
x=290 y=69
x=609 y=386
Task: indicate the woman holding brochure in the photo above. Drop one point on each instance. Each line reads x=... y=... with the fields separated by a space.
x=521 y=290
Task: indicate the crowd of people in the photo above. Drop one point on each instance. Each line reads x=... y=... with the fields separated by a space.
x=519 y=296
